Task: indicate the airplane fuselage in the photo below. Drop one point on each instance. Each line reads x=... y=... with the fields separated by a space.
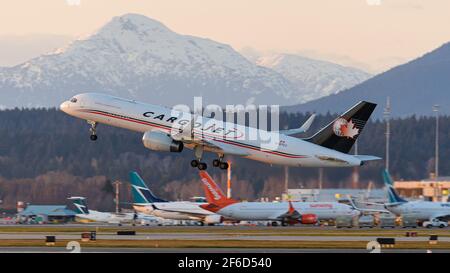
x=421 y=210
x=106 y=217
x=142 y=117
x=270 y=211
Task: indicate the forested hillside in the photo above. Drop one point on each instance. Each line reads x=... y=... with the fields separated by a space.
x=45 y=156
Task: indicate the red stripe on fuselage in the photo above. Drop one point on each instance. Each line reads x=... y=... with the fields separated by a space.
x=151 y=124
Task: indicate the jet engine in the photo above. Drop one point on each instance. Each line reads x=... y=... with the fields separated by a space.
x=213 y=219
x=159 y=141
x=308 y=219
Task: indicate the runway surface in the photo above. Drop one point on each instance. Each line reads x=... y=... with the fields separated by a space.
x=205 y=236
x=215 y=239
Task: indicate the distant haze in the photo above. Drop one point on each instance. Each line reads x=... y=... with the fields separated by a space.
x=360 y=33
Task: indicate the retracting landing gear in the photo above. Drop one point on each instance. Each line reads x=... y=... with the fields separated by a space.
x=197 y=163
x=220 y=163
x=93 y=130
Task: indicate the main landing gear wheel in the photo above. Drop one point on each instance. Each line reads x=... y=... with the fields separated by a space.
x=220 y=163
x=200 y=165
x=194 y=163
x=216 y=162
x=223 y=165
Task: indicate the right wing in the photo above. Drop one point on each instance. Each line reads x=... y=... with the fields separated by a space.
x=302 y=129
x=186 y=135
x=352 y=204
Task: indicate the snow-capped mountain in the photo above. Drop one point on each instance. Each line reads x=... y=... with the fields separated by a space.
x=312 y=78
x=136 y=57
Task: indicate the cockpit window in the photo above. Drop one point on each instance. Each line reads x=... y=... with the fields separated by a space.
x=73 y=100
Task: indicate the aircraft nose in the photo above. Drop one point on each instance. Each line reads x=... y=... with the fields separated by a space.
x=64 y=106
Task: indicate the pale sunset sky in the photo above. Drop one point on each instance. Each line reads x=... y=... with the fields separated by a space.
x=370 y=34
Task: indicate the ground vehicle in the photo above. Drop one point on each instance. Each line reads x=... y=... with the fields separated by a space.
x=409 y=222
x=435 y=223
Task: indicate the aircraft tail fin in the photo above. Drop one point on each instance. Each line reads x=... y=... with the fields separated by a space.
x=392 y=193
x=214 y=195
x=80 y=204
x=341 y=133
x=140 y=192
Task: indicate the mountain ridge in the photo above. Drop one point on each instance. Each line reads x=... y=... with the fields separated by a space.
x=413 y=88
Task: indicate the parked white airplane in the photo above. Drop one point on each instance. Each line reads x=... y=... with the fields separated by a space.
x=421 y=210
x=169 y=130
x=145 y=201
x=84 y=213
x=284 y=212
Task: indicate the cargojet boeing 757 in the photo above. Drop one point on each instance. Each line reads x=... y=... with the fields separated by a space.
x=284 y=212
x=166 y=129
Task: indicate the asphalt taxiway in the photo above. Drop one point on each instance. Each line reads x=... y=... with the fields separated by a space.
x=209 y=236
x=206 y=250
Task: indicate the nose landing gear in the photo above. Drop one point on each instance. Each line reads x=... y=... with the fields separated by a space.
x=93 y=130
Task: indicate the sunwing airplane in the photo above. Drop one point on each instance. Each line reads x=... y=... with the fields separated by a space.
x=145 y=201
x=421 y=210
x=284 y=212
x=84 y=213
x=168 y=130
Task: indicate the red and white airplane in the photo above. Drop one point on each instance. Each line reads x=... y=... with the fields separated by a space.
x=165 y=129
x=284 y=212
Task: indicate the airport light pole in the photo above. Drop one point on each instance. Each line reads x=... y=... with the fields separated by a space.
x=117 y=184
x=229 y=179
x=387 y=115
x=320 y=177
x=436 y=147
x=286 y=179
x=355 y=174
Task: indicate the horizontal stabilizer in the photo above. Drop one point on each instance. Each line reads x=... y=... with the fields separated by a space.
x=365 y=158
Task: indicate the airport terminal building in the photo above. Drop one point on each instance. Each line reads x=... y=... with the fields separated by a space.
x=46 y=214
x=428 y=189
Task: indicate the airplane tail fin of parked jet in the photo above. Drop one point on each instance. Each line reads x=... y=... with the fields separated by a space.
x=392 y=193
x=140 y=192
x=341 y=133
x=214 y=195
x=80 y=204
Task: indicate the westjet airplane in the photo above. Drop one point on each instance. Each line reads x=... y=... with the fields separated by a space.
x=284 y=212
x=145 y=201
x=168 y=130
x=421 y=210
x=84 y=213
